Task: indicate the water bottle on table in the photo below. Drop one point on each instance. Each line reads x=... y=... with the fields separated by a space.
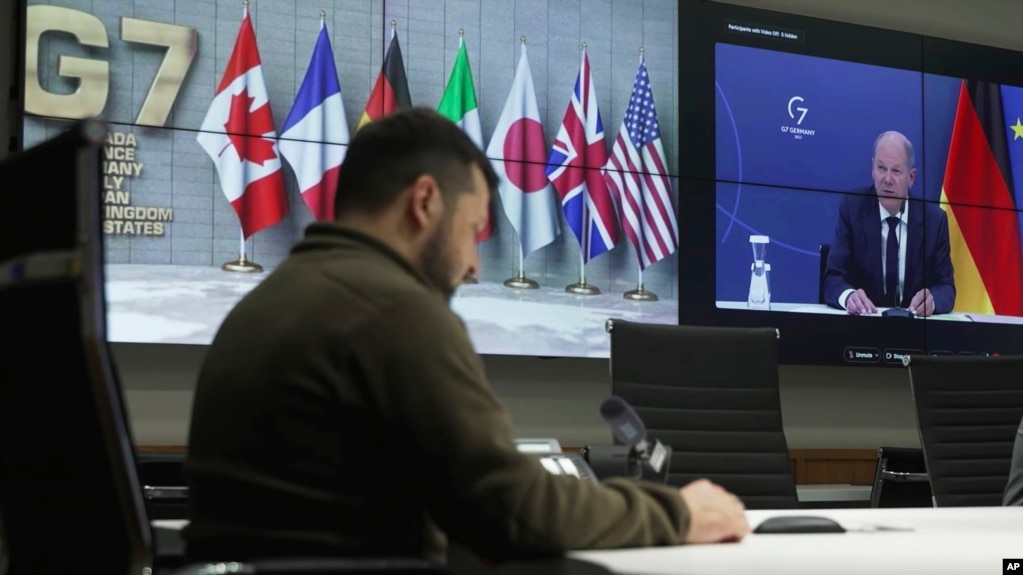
x=759 y=285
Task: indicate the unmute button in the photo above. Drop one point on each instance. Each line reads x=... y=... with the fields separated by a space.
x=897 y=355
x=862 y=354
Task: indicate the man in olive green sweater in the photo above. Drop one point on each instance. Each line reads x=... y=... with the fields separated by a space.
x=342 y=410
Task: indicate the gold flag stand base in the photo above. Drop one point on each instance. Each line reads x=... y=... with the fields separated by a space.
x=241 y=265
x=582 y=288
x=640 y=294
x=521 y=282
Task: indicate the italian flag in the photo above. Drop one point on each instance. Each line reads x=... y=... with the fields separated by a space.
x=459 y=105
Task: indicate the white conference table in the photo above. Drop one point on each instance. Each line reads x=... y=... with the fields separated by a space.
x=939 y=541
x=942 y=541
x=821 y=309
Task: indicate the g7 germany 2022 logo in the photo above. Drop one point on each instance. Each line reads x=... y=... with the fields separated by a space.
x=802 y=111
x=798 y=113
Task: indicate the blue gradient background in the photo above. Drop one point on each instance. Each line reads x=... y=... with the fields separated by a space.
x=789 y=189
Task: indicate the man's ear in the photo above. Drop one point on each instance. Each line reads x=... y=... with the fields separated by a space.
x=426 y=203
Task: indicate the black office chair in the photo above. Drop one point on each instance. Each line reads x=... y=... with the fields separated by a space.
x=968 y=410
x=901 y=479
x=822 y=265
x=711 y=394
x=65 y=507
x=79 y=508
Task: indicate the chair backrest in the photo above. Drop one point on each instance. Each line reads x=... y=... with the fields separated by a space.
x=822 y=265
x=711 y=393
x=968 y=410
x=69 y=496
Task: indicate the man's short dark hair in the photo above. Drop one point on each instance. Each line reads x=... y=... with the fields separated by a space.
x=387 y=155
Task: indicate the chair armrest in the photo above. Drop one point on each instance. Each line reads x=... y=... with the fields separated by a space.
x=163 y=492
x=899 y=452
x=903 y=476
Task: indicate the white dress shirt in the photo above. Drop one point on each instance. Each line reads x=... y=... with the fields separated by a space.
x=900 y=229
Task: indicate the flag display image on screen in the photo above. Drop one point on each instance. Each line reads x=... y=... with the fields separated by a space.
x=229 y=125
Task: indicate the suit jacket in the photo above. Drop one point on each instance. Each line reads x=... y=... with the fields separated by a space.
x=1014 y=487
x=854 y=261
x=341 y=410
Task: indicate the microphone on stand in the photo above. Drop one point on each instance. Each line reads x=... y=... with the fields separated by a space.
x=629 y=430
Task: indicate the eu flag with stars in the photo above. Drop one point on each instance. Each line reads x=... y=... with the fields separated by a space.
x=1012 y=104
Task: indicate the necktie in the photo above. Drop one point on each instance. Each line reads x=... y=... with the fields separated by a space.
x=891 y=268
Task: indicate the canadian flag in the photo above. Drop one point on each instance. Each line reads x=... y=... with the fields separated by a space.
x=239 y=136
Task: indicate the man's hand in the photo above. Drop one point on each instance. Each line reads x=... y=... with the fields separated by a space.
x=922 y=303
x=858 y=303
x=715 y=515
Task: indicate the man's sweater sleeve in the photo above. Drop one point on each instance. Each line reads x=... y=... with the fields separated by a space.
x=479 y=488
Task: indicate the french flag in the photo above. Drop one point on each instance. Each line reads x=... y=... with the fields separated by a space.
x=315 y=134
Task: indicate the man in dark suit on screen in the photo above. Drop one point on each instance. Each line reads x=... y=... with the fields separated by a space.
x=889 y=251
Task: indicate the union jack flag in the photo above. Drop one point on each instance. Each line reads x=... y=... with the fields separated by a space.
x=637 y=176
x=574 y=168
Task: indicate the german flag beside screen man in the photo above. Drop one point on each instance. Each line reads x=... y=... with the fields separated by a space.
x=979 y=193
x=390 y=92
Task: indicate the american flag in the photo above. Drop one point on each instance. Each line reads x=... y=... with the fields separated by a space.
x=637 y=176
x=575 y=167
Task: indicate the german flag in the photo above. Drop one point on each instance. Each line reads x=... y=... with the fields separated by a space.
x=977 y=194
x=390 y=93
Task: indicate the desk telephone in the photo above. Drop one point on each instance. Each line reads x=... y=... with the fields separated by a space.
x=554 y=460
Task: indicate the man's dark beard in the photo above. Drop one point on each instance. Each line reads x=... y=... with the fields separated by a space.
x=435 y=261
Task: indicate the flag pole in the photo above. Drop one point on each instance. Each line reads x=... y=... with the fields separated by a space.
x=583 y=288
x=640 y=293
x=471 y=279
x=520 y=281
x=241 y=264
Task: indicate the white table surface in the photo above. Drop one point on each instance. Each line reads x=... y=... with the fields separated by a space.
x=952 y=541
x=942 y=541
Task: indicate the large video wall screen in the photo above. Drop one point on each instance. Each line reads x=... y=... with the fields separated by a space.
x=585 y=225
x=861 y=196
